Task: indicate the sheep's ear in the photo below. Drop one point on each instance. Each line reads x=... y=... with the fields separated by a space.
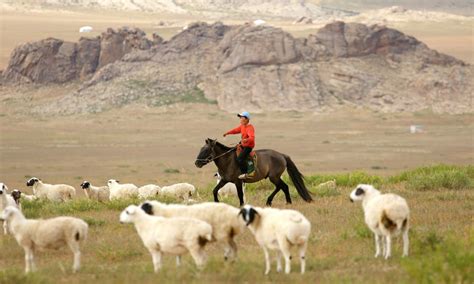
x=359 y=191
x=148 y=208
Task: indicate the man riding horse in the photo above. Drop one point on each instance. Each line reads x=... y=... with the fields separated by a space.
x=271 y=164
x=247 y=143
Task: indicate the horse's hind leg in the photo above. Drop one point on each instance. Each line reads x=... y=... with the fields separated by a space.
x=286 y=191
x=277 y=189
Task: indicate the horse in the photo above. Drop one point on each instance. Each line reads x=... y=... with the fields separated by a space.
x=271 y=164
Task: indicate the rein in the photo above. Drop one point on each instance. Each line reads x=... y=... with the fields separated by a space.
x=210 y=159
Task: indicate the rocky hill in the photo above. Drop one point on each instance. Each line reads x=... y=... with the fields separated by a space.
x=258 y=68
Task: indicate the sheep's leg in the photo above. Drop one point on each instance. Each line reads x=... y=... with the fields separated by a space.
x=5 y=227
x=29 y=260
x=233 y=249
x=178 y=261
x=377 y=245
x=285 y=249
x=302 y=253
x=156 y=255
x=199 y=257
x=384 y=246
x=74 y=246
x=388 y=239
x=267 y=261
x=278 y=260
x=406 y=242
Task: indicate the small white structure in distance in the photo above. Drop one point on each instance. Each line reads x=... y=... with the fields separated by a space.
x=85 y=29
x=416 y=129
x=259 y=22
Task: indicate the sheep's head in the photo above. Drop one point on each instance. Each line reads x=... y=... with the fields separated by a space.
x=8 y=212
x=249 y=214
x=147 y=207
x=112 y=181
x=127 y=215
x=360 y=192
x=16 y=194
x=85 y=185
x=3 y=188
x=32 y=181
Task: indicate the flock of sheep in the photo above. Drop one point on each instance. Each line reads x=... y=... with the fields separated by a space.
x=178 y=229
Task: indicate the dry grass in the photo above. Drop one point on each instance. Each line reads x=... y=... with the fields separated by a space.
x=150 y=145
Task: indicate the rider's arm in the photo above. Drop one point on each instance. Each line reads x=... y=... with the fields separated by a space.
x=234 y=131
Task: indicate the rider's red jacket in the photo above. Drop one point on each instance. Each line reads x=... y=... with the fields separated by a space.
x=248 y=132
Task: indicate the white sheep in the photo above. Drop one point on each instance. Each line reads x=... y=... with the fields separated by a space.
x=5 y=201
x=229 y=188
x=119 y=191
x=99 y=193
x=169 y=235
x=277 y=229
x=18 y=195
x=53 y=192
x=331 y=185
x=222 y=217
x=148 y=191
x=386 y=215
x=179 y=190
x=41 y=234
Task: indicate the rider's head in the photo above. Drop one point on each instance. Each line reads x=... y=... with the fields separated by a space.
x=244 y=117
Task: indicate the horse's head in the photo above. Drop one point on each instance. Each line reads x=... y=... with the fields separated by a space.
x=206 y=153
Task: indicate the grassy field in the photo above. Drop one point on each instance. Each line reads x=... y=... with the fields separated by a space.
x=340 y=249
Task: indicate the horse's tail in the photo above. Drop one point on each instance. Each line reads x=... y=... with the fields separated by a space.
x=297 y=179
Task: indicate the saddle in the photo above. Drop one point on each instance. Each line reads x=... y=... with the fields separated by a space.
x=251 y=159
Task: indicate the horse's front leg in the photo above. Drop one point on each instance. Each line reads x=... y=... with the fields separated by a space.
x=240 y=192
x=215 y=191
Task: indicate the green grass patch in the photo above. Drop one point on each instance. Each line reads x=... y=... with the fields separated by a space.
x=441 y=261
x=437 y=177
x=171 y=171
x=347 y=179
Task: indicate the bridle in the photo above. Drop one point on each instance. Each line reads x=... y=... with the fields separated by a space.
x=211 y=159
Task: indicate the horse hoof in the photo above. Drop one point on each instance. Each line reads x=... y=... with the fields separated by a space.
x=269 y=204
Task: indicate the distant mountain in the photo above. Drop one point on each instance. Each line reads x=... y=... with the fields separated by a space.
x=462 y=7
x=208 y=8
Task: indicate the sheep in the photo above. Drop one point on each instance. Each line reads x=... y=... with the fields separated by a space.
x=178 y=190
x=5 y=201
x=229 y=188
x=99 y=193
x=222 y=217
x=386 y=215
x=18 y=195
x=41 y=234
x=331 y=185
x=169 y=235
x=119 y=191
x=53 y=192
x=148 y=191
x=277 y=229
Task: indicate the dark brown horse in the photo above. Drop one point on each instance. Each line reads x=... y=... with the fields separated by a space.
x=270 y=164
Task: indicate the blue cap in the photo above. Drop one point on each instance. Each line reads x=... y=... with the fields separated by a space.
x=244 y=114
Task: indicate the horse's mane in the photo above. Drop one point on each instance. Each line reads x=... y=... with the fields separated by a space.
x=224 y=147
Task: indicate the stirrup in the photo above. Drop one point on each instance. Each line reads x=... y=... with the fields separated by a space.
x=243 y=176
